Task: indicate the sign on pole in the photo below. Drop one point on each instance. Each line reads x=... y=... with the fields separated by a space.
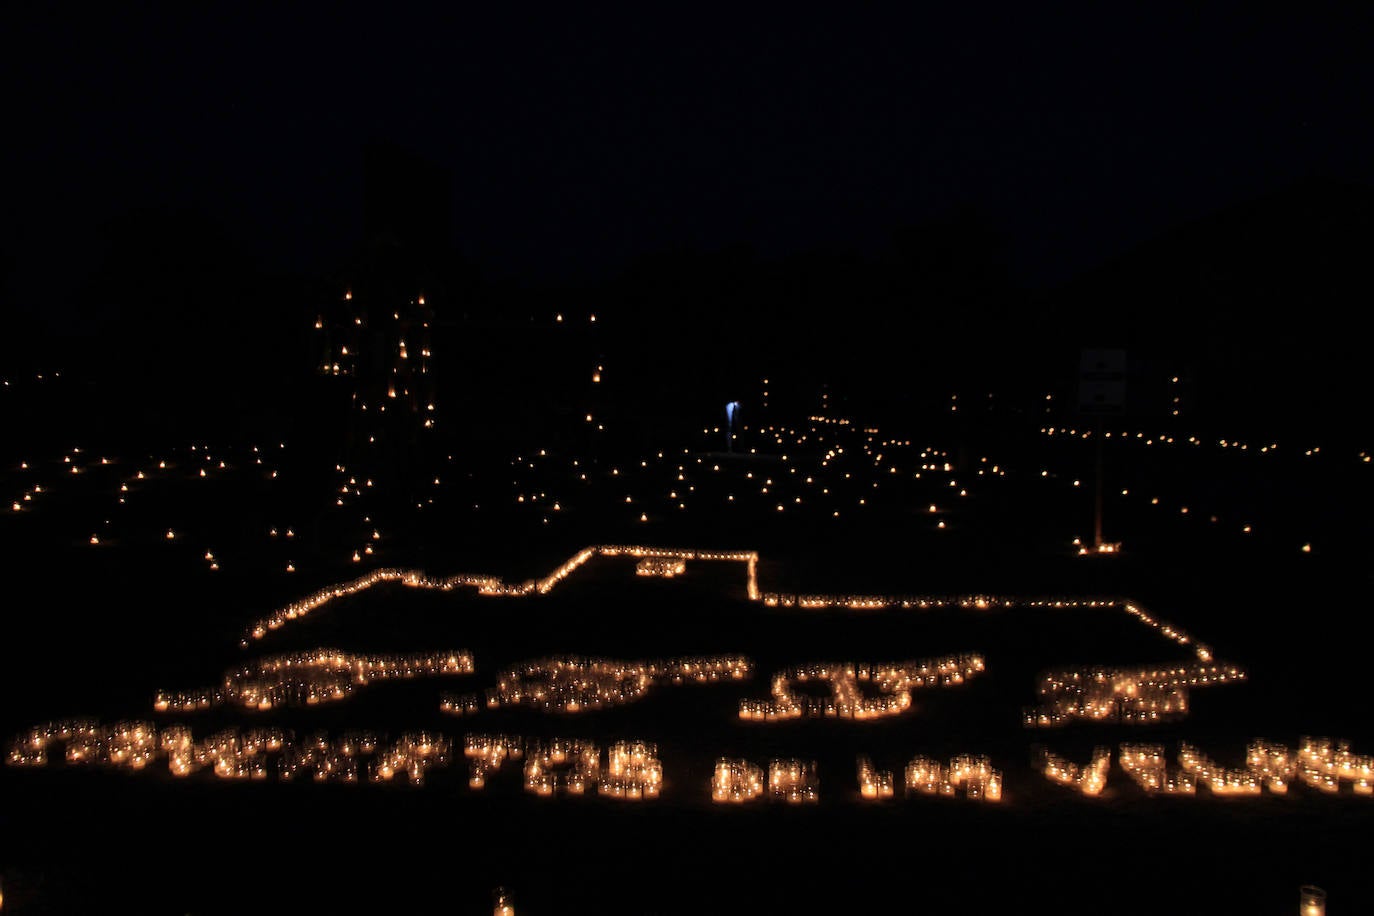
x=1102 y=382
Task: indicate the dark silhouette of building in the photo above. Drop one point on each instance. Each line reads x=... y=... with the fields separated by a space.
x=376 y=337
x=407 y=201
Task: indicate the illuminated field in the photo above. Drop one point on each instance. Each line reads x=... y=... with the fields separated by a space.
x=955 y=688
x=608 y=651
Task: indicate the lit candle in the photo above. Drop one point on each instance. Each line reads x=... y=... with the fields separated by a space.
x=1312 y=901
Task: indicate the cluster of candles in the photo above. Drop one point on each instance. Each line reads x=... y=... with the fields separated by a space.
x=736 y=781
x=1089 y=779
x=396 y=396
x=561 y=765
x=790 y=780
x=83 y=740
x=749 y=558
x=231 y=753
x=894 y=683
x=1147 y=765
x=886 y=457
x=633 y=771
x=328 y=759
x=460 y=704
x=662 y=567
x=972 y=773
x=837 y=465
x=200 y=464
x=412 y=754
x=556 y=766
x=486 y=753
x=1223 y=780
x=356 y=326
x=308 y=678
x=793 y=781
x=818 y=441
x=1137 y=695
x=1320 y=763
x=129 y=743
x=1324 y=764
x=574 y=684
x=873 y=783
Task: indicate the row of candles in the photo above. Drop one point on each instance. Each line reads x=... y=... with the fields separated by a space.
x=1140 y=436
x=1162 y=439
x=633 y=770
x=491 y=585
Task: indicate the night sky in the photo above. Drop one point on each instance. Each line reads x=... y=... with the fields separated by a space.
x=579 y=140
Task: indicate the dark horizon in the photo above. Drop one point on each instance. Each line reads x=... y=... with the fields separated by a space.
x=897 y=209
x=1245 y=301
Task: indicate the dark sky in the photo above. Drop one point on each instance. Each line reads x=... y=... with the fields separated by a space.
x=578 y=139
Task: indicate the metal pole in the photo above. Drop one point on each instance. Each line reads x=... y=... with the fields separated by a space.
x=1097 y=511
